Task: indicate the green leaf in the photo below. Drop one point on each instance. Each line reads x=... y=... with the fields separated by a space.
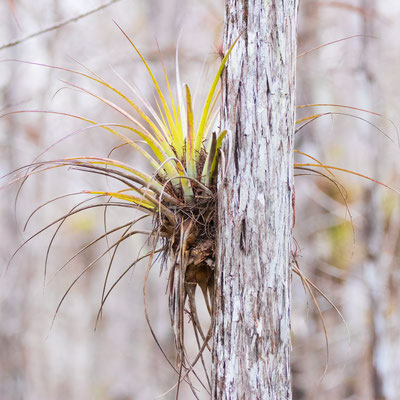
x=205 y=114
x=190 y=157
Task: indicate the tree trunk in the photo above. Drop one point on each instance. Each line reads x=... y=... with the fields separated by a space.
x=377 y=273
x=252 y=304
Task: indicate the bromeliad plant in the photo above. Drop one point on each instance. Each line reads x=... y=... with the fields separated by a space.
x=180 y=194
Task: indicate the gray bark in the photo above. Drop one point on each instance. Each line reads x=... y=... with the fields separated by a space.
x=252 y=306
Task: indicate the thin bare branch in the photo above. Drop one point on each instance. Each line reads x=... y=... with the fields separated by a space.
x=57 y=25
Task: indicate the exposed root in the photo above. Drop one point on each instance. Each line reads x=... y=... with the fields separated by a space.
x=191 y=256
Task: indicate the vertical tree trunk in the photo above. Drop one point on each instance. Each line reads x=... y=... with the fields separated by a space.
x=377 y=274
x=252 y=306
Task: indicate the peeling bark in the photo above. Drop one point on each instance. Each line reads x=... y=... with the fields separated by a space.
x=252 y=298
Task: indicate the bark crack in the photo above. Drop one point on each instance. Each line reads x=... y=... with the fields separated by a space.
x=243 y=241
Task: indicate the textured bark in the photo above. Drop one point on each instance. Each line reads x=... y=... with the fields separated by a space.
x=252 y=314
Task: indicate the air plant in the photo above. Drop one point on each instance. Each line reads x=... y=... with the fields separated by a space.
x=179 y=195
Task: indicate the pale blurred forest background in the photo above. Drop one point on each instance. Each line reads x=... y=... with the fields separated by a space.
x=354 y=261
